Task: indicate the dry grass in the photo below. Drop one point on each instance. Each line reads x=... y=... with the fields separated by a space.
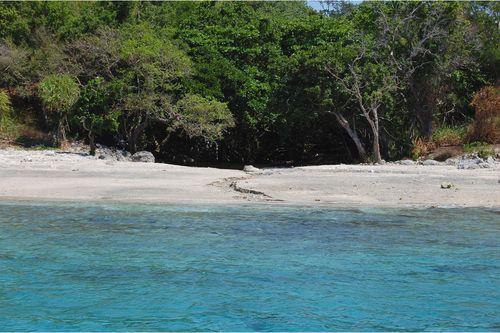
x=422 y=147
x=486 y=126
x=29 y=136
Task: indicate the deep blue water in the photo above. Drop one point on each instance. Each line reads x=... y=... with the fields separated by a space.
x=66 y=267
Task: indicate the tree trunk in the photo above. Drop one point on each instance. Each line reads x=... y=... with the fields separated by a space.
x=132 y=144
x=376 y=147
x=352 y=134
x=134 y=135
x=426 y=120
x=376 y=135
x=423 y=116
x=59 y=135
x=92 y=143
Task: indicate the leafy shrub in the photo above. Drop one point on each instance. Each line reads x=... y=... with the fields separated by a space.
x=201 y=117
x=486 y=126
x=482 y=149
x=94 y=112
x=58 y=92
x=8 y=127
x=5 y=106
x=449 y=136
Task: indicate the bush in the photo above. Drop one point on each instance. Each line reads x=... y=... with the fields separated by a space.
x=421 y=147
x=482 y=149
x=5 y=106
x=442 y=136
x=9 y=128
x=486 y=126
x=201 y=117
x=58 y=92
x=449 y=136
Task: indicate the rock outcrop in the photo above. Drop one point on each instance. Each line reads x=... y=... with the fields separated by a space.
x=473 y=161
x=112 y=154
x=143 y=156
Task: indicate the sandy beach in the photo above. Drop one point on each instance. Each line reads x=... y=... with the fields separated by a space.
x=73 y=176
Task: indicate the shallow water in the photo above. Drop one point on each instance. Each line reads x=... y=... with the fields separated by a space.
x=247 y=268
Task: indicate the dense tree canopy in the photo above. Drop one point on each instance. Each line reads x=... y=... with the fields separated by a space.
x=239 y=82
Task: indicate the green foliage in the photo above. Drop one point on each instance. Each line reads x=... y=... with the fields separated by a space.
x=12 y=22
x=94 y=111
x=482 y=149
x=9 y=127
x=13 y=64
x=443 y=136
x=5 y=105
x=449 y=135
x=5 y=114
x=154 y=59
x=149 y=72
x=200 y=117
x=58 y=92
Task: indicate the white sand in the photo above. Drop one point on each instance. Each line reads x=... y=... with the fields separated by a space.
x=49 y=175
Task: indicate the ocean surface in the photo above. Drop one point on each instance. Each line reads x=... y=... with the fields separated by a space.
x=90 y=267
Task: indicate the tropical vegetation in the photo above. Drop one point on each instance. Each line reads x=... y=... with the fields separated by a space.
x=253 y=82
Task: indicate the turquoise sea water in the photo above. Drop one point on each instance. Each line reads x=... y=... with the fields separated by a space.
x=66 y=267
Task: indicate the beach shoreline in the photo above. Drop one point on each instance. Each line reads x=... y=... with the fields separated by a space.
x=55 y=175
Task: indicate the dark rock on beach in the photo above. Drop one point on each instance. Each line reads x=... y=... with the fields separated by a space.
x=112 y=154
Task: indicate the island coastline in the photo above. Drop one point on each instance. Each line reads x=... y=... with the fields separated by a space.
x=57 y=175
